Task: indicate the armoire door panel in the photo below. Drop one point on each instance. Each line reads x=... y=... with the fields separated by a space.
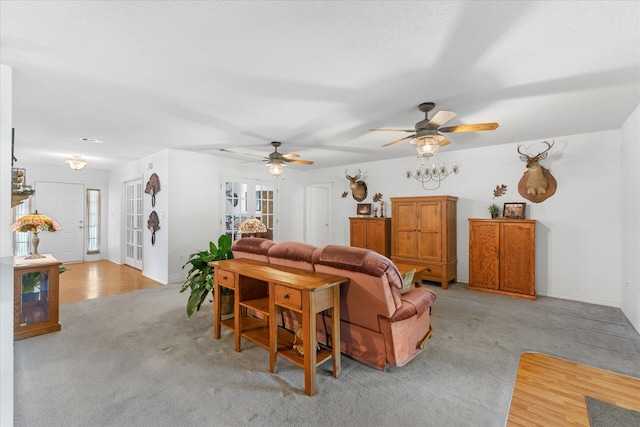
x=517 y=259
x=430 y=219
x=484 y=252
x=430 y=246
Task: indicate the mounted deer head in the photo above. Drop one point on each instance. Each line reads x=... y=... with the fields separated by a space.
x=537 y=184
x=358 y=188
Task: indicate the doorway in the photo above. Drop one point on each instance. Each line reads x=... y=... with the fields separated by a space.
x=318 y=224
x=65 y=203
x=133 y=223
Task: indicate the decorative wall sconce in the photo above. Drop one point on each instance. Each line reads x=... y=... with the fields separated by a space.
x=76 y=163
x=434 y=174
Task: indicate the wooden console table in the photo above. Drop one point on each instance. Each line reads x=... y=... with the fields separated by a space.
x=266 y=289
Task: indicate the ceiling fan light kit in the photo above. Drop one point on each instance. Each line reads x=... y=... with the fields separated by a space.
x=429 y=131
x=275 y=167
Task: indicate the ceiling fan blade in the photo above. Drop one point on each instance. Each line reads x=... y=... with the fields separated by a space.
x=439 y=119
x=470 y=128
x=444 y=142
x=291 y=155
x=224 y=150
x=391 y=130
x=399 y=140
x=300 y=161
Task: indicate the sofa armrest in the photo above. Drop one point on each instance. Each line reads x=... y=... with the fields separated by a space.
x=416 y=301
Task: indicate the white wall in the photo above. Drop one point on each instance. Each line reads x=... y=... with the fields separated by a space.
x=189 y=203
x=90 y=178
x=630 y=218
x=6 y=250
x=577 y=234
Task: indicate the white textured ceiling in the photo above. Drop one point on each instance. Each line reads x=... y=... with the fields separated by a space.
x=206 y=75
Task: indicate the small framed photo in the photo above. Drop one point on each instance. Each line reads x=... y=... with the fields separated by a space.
x=364 y=209
x=513 y=210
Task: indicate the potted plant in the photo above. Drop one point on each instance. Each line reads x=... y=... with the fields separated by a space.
x=200 y=277
x=494 y=210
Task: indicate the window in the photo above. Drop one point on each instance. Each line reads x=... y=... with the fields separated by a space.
x=22 y=241
x=245 y=199
x=93 y=221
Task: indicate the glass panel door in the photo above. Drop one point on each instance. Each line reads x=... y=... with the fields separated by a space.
x=244 y=199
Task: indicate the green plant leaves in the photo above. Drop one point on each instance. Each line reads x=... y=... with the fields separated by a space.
x=200 y=276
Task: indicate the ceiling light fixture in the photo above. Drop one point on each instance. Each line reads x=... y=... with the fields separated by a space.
x=76 y=163
x=276 y=167
x=434 y=174
x=427 y=146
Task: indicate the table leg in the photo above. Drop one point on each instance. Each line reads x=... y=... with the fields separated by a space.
x=335 y=332
x=217 y=306
x=273 y=329
x=310 y=342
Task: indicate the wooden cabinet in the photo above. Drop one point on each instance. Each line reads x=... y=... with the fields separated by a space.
x=371 y=233
x=502 y=256
x=423 y=232
x=35 y=294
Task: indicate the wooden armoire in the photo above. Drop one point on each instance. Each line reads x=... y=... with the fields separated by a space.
x=502 y=256
x=423 y=232
x=371 y=233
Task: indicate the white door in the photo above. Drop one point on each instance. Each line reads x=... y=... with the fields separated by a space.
x=133 y=224
x=244 y=198
x=65 y=203
x=318 y=227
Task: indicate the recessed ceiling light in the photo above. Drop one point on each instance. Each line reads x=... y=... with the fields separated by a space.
x=91 y=140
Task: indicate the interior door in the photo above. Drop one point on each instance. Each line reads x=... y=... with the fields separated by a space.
x=318 y=230
x=133 y=224
x=65 y=203
x=244 y=199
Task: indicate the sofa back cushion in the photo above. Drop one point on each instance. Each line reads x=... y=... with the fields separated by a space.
x=292 y=254
x=255 y=248
x=374 y=283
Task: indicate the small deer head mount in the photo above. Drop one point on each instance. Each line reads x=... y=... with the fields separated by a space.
x=358 y=188
x=537 y=184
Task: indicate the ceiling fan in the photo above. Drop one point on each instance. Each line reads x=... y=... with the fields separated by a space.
x=427 y=134
x=277 y=161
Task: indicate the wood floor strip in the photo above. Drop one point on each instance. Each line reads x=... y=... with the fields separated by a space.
x=88 y=280
x=549 y=391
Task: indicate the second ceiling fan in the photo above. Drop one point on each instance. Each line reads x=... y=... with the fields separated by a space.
x=427 y=133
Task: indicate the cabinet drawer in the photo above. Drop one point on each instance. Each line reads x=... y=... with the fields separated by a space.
x=226 y=279
x=432 y=272
x=287 y=297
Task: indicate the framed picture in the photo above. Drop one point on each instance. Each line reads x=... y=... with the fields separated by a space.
x=364 y=209
x=513 y=210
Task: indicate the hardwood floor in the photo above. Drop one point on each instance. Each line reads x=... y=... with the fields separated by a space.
x=551 y=391
x=88 y=280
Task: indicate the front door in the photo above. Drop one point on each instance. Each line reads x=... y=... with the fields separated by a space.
x=65 y=203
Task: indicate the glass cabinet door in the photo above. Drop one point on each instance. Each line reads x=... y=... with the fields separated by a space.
x=34 y=300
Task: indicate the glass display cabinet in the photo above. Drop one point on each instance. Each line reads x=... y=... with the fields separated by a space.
x=35 y=297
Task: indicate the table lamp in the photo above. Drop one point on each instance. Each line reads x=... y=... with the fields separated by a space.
x=35 y=223
x=252 y=226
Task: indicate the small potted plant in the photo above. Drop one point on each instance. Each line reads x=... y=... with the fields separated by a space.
x=494 y=210
x=200 y=277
